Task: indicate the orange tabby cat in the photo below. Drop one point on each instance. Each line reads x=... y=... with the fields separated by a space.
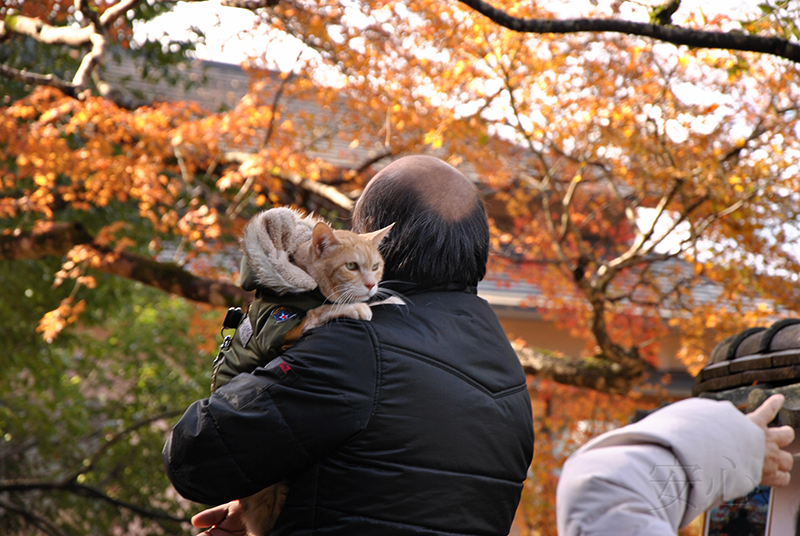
x=348 y=267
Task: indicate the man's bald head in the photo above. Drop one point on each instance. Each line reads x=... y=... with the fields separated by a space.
x=435 y=183
x=440 y=236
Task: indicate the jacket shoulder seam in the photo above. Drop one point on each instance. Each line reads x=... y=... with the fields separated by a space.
x=501 y=393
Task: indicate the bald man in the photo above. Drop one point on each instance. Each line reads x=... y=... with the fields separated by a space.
x=416 y=422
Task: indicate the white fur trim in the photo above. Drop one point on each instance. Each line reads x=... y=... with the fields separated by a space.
x=268 y=241
x=391 y=300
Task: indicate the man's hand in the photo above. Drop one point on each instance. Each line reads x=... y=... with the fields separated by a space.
x=223 y=520
x=777 y=462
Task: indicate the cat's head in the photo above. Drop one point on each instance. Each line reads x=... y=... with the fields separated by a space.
x=346 y=265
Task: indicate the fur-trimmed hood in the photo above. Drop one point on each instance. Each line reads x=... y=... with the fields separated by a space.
x=268 y=241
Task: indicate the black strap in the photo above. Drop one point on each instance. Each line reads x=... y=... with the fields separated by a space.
x=232 y=318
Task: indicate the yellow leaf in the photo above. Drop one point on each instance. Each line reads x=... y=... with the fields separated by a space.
x=434 y=138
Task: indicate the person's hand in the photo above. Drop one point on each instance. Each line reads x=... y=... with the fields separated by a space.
x=777 y=462
x=223 y=520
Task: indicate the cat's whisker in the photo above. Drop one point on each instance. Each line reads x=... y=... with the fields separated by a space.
x=342 y=296
x=350 y=294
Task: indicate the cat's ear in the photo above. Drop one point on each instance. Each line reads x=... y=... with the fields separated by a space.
x=322 y=237
x=376 y=237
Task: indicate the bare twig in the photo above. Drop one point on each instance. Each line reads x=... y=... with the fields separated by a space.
x=87 y=467
x=607 y=270
x=34 y=518
x=86 y=491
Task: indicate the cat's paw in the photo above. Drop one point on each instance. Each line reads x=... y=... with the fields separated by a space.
x=325 y=313
x=361 y=311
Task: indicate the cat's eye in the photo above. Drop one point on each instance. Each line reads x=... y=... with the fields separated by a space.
x=374 y=266
x=351 y=265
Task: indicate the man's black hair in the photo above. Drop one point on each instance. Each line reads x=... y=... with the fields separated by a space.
x=441 y=233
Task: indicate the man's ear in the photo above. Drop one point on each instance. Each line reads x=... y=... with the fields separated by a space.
x=376 y=237
x=322 y=237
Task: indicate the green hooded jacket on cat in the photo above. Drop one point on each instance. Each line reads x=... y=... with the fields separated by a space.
x=284 y=293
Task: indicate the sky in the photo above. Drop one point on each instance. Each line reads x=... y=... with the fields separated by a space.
x=224 y=28
x=226 y=41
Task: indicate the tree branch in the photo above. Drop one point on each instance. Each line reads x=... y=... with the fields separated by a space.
x=94 y=458
x=323 y=190
x=54 y=240
x=116 y=95
x=61 y=35
x=363 y=166
x=99 y=42
x=93 y=34
x=58 y=238
x=249 y=4
x=85 y=491
x=275 y=102
x=33 y=518
x=599 y=374
x=608 y=270
x=676 y=35
x=50 y=80
x=70 y=484
x=43 y=32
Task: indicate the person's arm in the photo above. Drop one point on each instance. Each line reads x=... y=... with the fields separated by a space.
x=655 y=476
x=263 y=427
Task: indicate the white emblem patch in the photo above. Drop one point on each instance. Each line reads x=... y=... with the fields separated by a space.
x=245 y=331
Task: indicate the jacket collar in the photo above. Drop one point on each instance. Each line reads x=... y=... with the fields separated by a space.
x=408 y=287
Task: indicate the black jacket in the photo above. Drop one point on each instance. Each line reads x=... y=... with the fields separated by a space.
x=417 y=422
